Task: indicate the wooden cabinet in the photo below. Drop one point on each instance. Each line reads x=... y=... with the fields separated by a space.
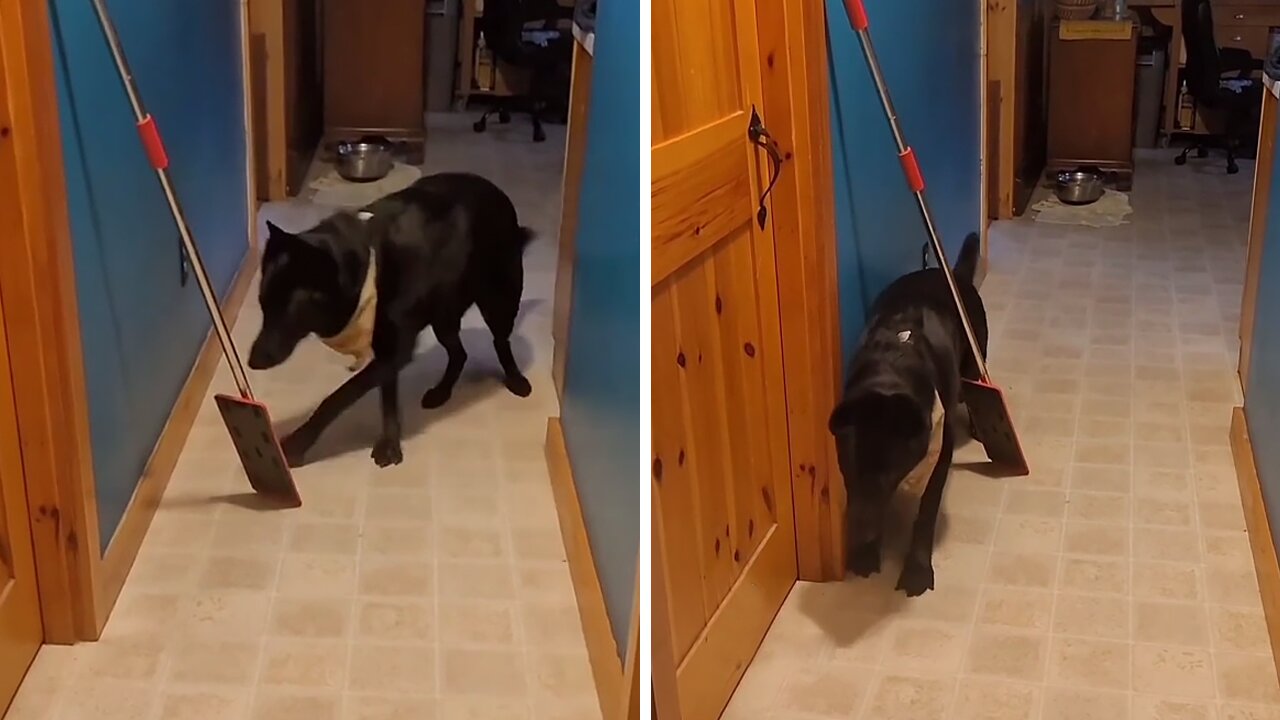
x=1091 y=90
x=373 y=71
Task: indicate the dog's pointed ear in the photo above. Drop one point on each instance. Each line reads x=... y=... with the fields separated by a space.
x=276 y=238
x=282 y=241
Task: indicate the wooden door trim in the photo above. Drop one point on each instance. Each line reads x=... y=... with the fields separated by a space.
x=988 y=143
x=1262 y=171
x=1000 y=18
x=1258 y=526
x=37 y=279
x=628 y=707
x=602 y=650
x=252 y=105
x=575 y=154
x=266 y=29
x=794 y=70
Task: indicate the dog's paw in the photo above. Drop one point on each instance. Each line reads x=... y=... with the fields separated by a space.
x=916 y=578
x=518 y=385
x=295 y=449
x=435 y=397
x=387 y=452
x=865 y=560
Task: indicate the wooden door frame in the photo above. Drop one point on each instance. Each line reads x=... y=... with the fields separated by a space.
x=985 y=137
x=794 y=74
x=37 y=279
x=794 y=43
x=265 y=80
x=78 y=579
x=1000 y=40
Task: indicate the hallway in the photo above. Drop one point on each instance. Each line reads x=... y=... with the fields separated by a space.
x=434 y=589
x=1114 y=583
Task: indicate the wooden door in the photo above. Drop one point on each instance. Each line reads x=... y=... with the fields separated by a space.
x=723 y=532
x=21 y=631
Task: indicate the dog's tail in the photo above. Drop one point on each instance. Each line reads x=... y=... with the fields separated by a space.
x=526 y=235
x=967 y=264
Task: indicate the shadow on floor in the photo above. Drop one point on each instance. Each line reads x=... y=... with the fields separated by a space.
x=358 y=427
x=850 y=611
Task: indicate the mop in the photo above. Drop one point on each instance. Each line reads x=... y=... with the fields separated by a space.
x=246 y=419
x=988 y=410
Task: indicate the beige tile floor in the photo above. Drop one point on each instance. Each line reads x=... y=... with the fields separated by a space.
x=437 y=589
x=1114 y=583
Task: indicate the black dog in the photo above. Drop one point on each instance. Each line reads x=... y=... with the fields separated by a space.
x=369 y=283
x=912 y=351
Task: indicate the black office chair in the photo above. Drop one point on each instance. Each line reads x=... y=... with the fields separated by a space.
x=1227 y=98
x=529 y=34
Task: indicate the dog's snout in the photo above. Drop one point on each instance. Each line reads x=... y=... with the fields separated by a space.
x=263 y=356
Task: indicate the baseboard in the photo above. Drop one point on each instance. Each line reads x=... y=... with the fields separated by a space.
x=606 y=666
x=124 y=546
x=1258 y=525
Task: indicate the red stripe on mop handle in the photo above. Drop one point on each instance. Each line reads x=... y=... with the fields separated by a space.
x=857 y=14
x=911 y=169
x=150 y=135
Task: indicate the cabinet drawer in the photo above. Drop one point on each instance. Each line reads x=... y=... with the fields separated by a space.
x=1255 y=39
x=1253 y=14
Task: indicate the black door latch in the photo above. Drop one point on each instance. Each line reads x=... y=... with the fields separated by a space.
x=760 y=137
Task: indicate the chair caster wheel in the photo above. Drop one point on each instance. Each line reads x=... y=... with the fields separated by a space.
x=504 y=117
x=1202 y=152
x=1180 y=160
x=478 y=126
x=1232 y=169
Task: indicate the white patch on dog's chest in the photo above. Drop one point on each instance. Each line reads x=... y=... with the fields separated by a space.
x=356 y=339
x=915 y=480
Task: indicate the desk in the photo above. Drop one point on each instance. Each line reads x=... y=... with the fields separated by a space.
x=1245 y=24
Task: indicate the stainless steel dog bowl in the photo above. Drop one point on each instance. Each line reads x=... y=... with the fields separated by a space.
x=1078 y=187
x=364 y=161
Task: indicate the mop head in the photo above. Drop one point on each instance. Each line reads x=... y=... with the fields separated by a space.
x=993 y=426
x=259 y=450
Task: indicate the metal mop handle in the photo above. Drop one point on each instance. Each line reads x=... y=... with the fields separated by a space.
x=160 y=161
x=910 y=168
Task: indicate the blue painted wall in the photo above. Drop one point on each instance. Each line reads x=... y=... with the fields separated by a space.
x=931 y=56
x=1262 y=396
x=140 y=328
x=600 y=410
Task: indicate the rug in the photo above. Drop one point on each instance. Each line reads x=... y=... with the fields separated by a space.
x=332 y=191
x=1109 y=211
